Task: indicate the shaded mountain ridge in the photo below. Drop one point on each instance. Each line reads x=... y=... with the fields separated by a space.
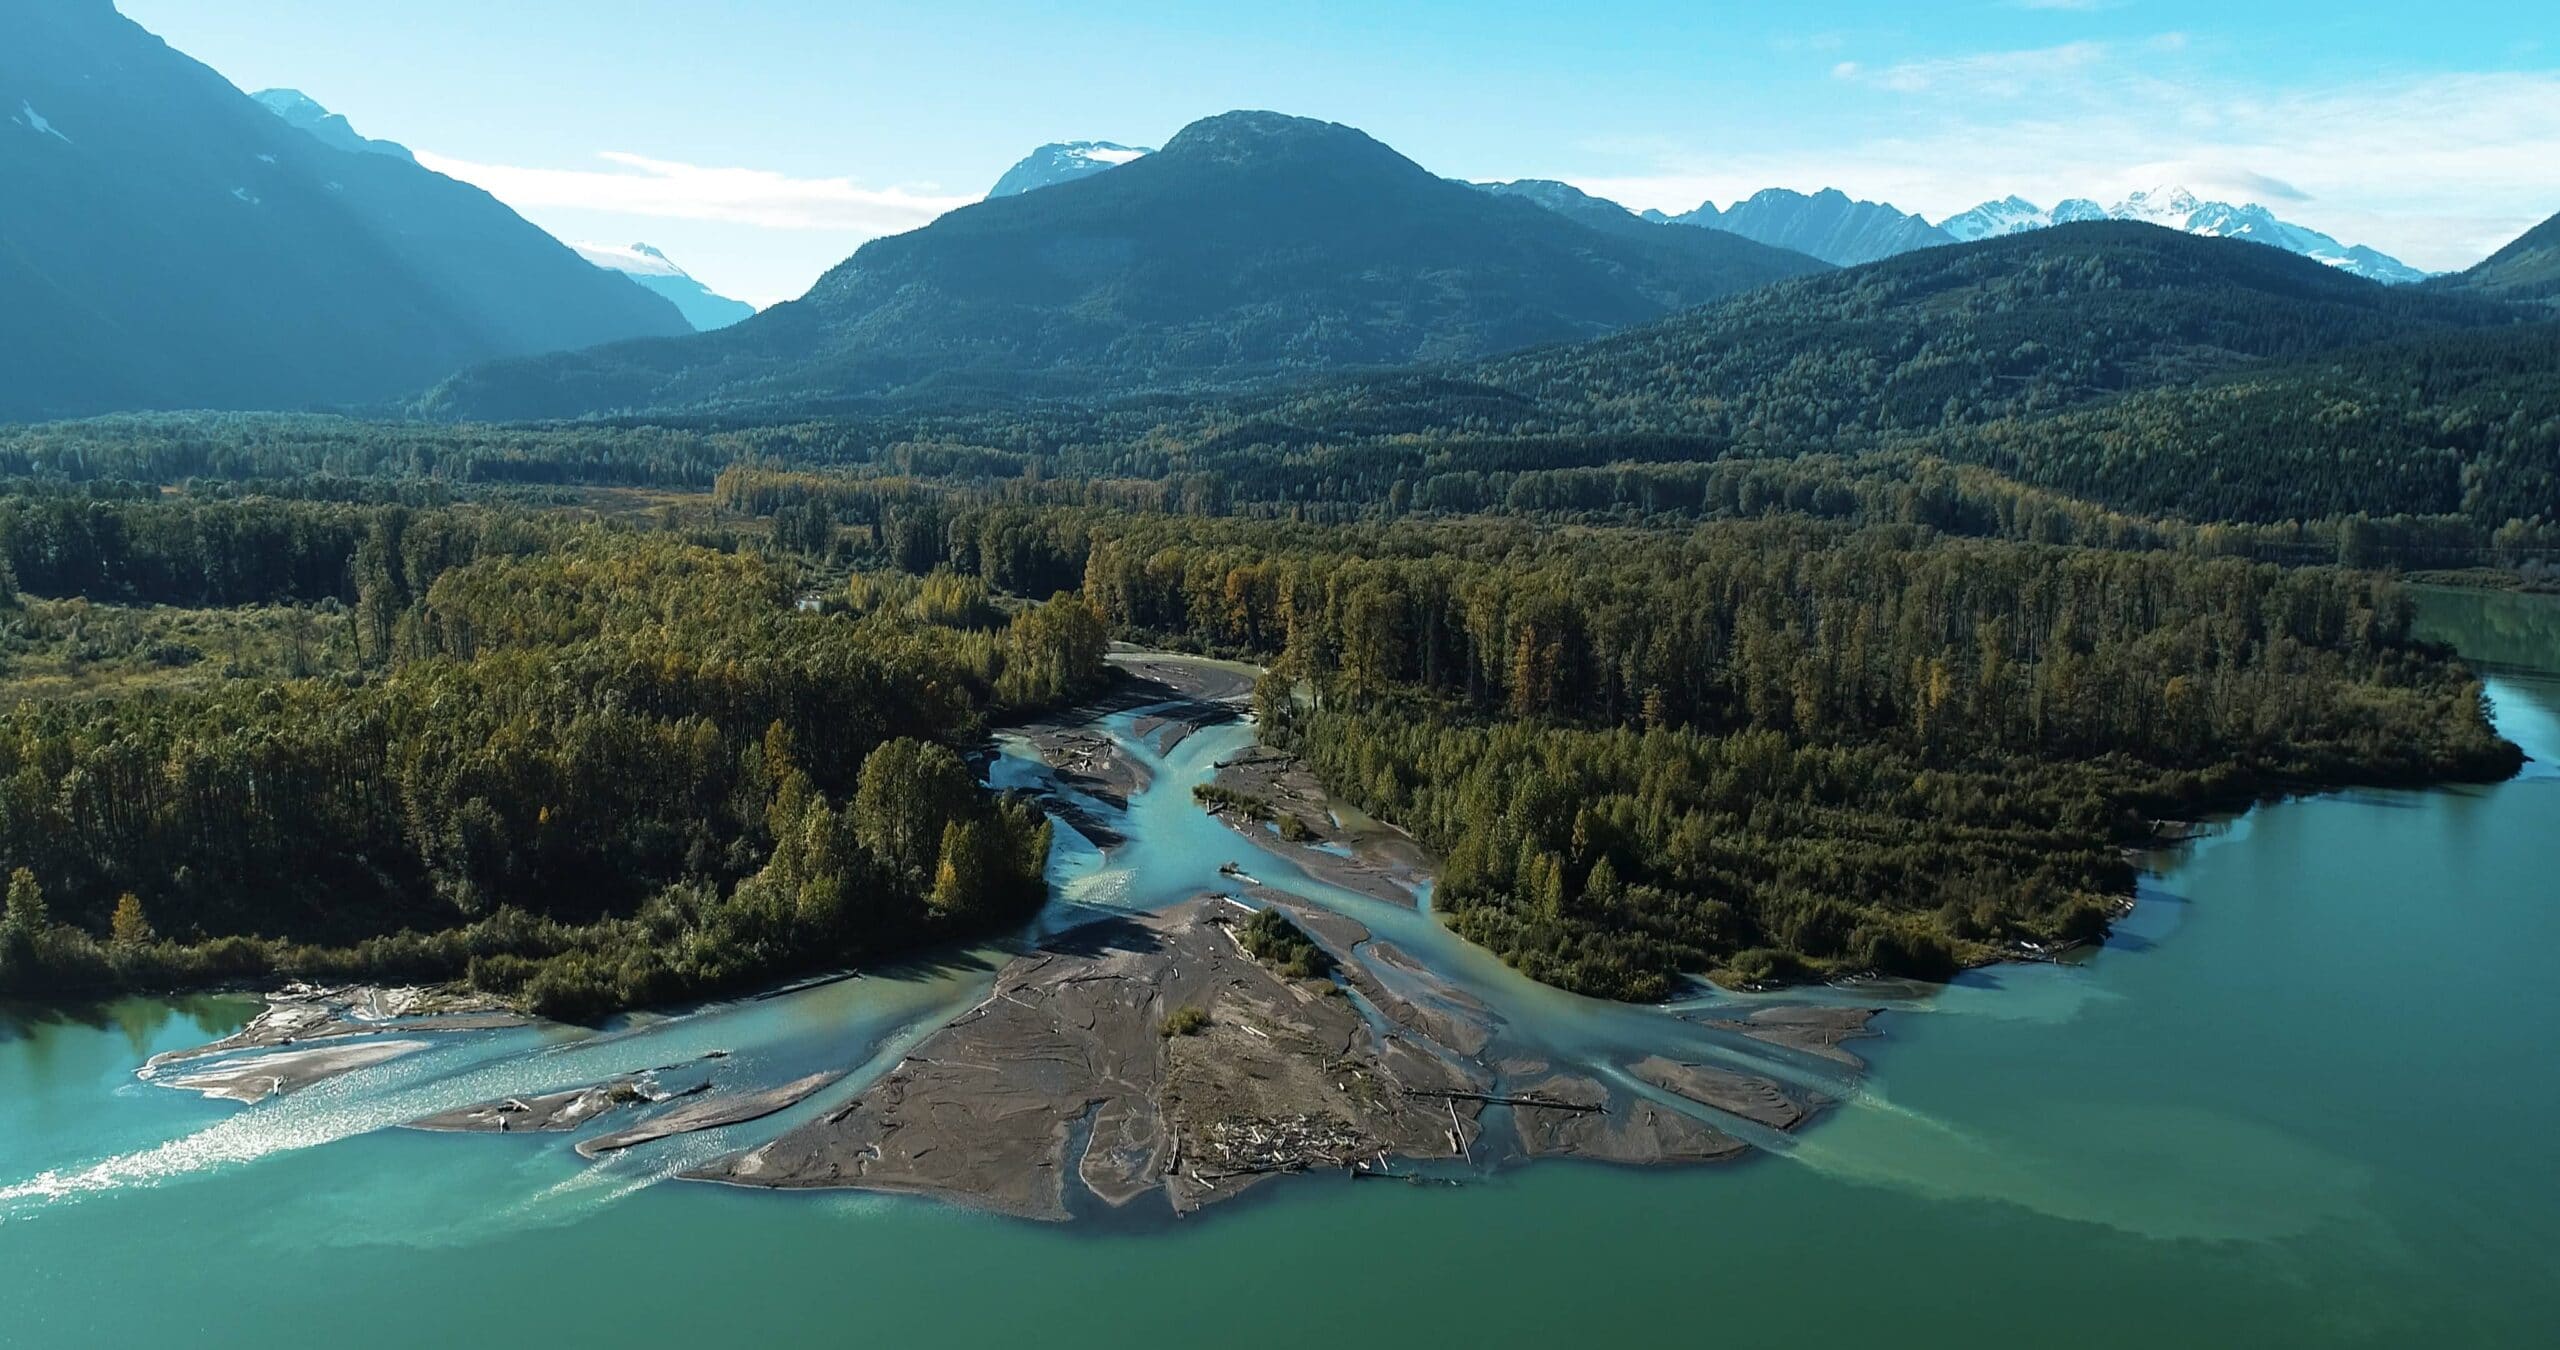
x=172 y=243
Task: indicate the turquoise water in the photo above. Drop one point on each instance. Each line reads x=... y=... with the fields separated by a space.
x=2303 y=1098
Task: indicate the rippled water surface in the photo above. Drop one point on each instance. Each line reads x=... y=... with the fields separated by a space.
x=2303 y=1098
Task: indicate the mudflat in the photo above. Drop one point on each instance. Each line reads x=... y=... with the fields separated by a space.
x=1130 y=1056
x=568 y=1109
x=308 y=1034
x=254 y=1078
x=1807 y=1029
x=710 y=1113
x=1152 y=1055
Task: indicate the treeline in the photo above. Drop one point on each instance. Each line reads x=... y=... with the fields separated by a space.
x=191 y=553
x=2442 y=450
x=1819 y=633
x=618 y=770
x=174 y=448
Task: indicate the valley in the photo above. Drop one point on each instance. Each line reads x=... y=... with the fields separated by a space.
x=1547 y=733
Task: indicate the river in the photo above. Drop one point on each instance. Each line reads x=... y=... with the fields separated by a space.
x=2301 y=1098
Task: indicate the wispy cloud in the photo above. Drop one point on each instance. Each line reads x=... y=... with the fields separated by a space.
x=637 y=185
x=2008 y=74
x=2005 y=74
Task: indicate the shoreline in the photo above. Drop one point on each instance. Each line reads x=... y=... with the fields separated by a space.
x=1074 y=1091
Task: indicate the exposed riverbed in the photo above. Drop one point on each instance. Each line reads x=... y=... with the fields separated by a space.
x=2297 y=1100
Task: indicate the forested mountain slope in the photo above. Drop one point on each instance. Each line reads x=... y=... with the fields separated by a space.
x=2457 y=424
x=2527 y=270
x=2000 y=328
x=1253 y=245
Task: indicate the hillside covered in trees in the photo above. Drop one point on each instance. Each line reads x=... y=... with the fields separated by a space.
x=1253 y=245
x=1946 y=336
x=1860 y=622
x=2526 y=271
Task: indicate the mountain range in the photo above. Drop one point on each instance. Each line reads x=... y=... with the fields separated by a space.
x=175 y=243
x=1258 y=246
x=1253 y=245
x=1840 y=230
x=701 y=306
x=170 y=242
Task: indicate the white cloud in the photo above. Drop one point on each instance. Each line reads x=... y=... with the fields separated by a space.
x=666 y=189
x=2004 y=74
x=2438 y=170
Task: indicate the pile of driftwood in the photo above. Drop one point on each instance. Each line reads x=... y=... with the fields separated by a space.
x=1279 y=1144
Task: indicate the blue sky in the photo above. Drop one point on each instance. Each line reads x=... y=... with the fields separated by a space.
x=759 y=143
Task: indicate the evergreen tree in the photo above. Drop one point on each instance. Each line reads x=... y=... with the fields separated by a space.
x=129 y=927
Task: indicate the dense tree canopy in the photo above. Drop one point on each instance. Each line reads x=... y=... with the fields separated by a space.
x=1857 y=622
x=565 y=755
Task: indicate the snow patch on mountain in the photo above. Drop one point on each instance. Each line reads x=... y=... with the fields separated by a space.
x=305 y=113
x=34 y=121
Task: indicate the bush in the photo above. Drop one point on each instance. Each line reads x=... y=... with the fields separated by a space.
x=1272 y=939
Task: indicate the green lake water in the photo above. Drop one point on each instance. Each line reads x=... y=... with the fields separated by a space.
x=2304 y=1097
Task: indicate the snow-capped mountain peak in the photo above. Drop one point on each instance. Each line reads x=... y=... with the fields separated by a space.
x=639 y=260
x=1064 y=162
x=1991 y=220
x=702 y=307
x=2170 y=206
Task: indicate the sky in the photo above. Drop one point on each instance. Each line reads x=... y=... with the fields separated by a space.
x=759 y=142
